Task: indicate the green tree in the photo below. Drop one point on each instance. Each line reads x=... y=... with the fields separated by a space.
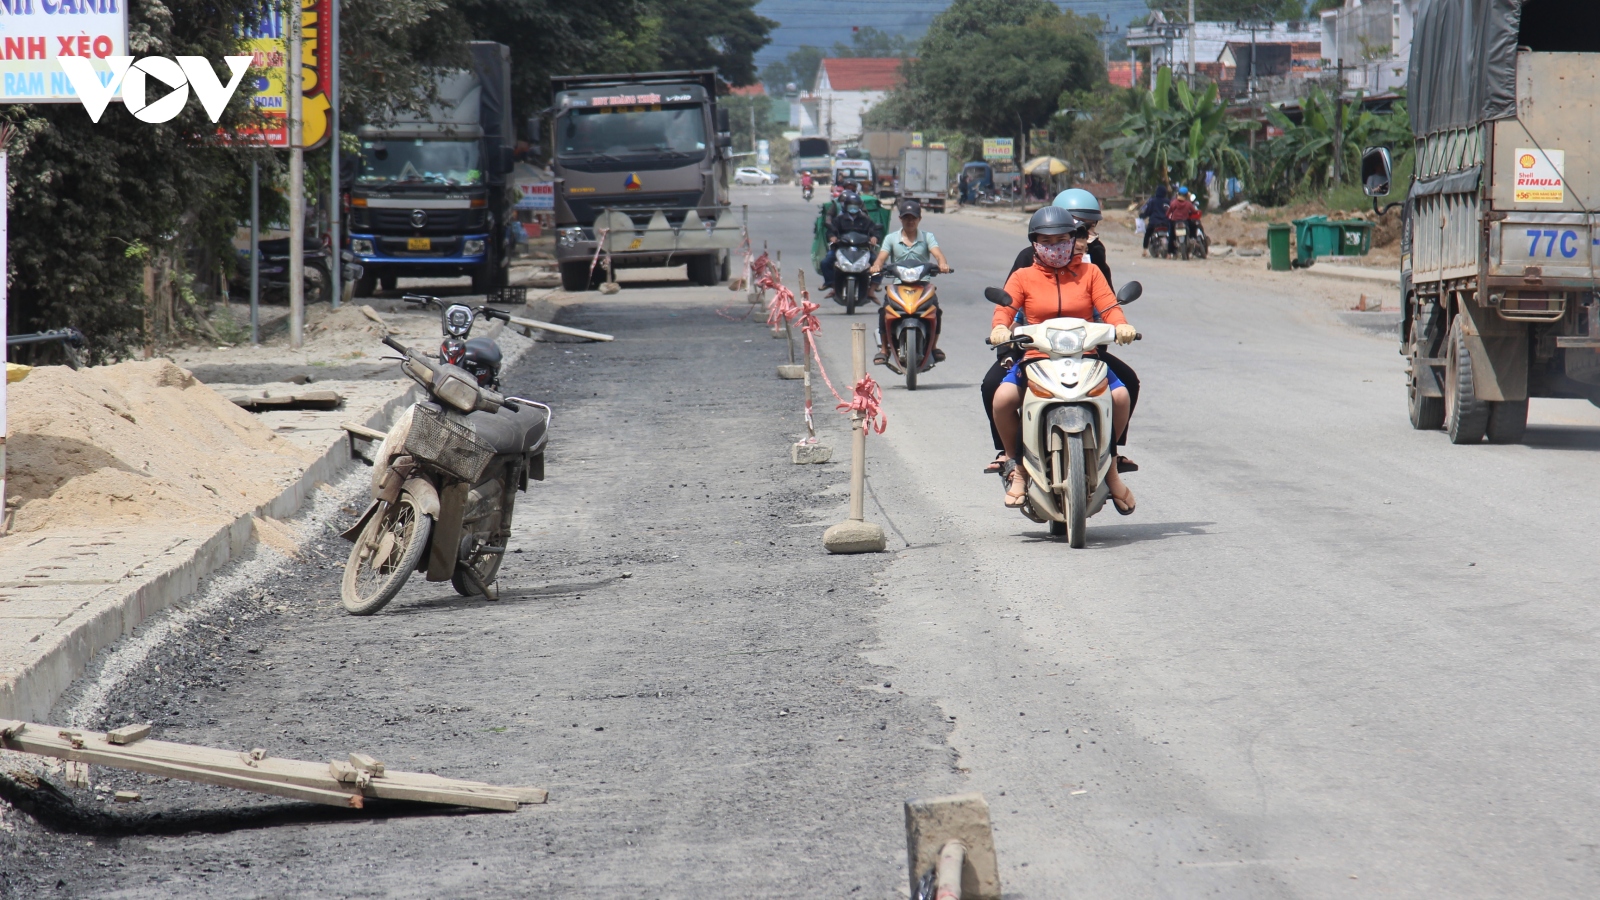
x=1229 y=10
x=1301 y=161
x=700 y=34
x=998 y=68
x=798 y=68
x=873 y=43
x=1176 y=133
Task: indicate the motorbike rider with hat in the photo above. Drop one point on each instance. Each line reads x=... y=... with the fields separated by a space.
x=1060 y=283
x=909 y=243
x=1086 y=208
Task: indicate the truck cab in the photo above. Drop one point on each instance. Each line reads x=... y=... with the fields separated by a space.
x=428 y=196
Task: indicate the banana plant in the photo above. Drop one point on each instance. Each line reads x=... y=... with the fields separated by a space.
x=1176 y=132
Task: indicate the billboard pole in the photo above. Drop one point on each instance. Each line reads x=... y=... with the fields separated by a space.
x=297 y=181
x=336 y=210
x=5 y=201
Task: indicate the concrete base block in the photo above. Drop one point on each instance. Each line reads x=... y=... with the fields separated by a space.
x=791 y=372
x=804 y=454
x=851 y=536
x=778 y=334
x=610 y=287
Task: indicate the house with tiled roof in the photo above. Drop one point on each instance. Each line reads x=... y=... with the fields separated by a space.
x=843 y=89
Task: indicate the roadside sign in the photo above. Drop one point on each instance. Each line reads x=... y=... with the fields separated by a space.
x=267 y=43
x=916 y=139
x=37 y=34
x=999 y=149
x=537 y=195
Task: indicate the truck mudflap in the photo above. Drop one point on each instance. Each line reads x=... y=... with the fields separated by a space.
x=1499 y=352
x=618 y=233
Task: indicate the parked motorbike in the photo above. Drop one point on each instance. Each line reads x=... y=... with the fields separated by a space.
x=910 y=308
x=1066 y=418
x=444 y=483
x=1160 y=241
x=479 y=355
x=852 y=258
x=317 y=275
x=1195 y=244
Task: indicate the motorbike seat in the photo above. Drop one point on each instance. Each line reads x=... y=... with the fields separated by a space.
x=510 y=432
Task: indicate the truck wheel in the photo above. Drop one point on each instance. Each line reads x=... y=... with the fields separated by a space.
x=703 y=270
x=365 y=285
x=574 y=276
x=1466 y=417
x=1508 y=421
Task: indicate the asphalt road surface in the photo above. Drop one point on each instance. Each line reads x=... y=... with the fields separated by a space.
x=1327 y=656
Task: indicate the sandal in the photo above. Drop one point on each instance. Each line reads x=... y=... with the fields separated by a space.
x=1131 y=504
x=993 y=467
x=1125 y=464
x=882 y=359
x=1016 y=484
x=938 y=355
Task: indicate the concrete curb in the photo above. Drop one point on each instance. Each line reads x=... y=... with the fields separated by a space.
x=29 y=691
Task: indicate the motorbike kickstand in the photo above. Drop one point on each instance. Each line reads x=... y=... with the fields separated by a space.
x=478 y=585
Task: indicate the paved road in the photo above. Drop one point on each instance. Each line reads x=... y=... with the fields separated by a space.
x=1328 y=655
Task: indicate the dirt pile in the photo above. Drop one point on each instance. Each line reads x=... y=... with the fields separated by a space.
x=139 y=441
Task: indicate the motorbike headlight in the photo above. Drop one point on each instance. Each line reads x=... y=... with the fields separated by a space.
x=472 y=248
x=458 y=320
x=361 y=247
x=457 y=388
x=1065 y=340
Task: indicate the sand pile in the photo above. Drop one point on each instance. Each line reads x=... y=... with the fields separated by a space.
x=139 y=441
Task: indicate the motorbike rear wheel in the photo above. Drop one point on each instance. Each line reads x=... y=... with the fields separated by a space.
x=913 y=345
x=385 y=554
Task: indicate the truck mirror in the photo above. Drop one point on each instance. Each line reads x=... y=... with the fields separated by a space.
x=724 y=141
x=722 y=121
x=535 y=130
x=508 y=158
x=1377 y=171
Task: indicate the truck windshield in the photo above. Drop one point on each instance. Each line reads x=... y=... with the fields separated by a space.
x=632 y=131
x=449 y=163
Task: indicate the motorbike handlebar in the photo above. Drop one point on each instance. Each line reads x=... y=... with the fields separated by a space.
x=393 y=344
x=489 y=312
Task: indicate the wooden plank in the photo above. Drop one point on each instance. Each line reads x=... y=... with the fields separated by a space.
x=559 y=329
x=338 y=784
x=362 y=431
x=127 y=734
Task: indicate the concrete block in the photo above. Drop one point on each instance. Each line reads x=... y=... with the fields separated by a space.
x=804 y=454
x=932 y=823
x=851 y=536
x=791 y=372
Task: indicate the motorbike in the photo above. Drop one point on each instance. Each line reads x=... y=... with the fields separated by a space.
x=1066 y=418
x=479 y=355
x=852 y=258
x=1195 y=244
x=1160 y=241
x=317 y=276
x=909 y=310
x=805 y=192
x=444 y=485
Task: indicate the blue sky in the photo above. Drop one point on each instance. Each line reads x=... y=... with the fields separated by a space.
x=822 y=22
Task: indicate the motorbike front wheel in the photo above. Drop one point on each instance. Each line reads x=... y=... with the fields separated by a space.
x=1073 y=499
x=386 y=553
x=913 y=356
x=852 y=295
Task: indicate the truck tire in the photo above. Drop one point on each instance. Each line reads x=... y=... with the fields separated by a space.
x=1508 y=421
x=703 y=270
x=1427 y=413
x=1466 y=417
x=575 y=277
x=365 y=285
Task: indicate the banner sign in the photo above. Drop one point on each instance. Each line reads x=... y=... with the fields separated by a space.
x=1539 y=176
x=537 y=195
x=268 y=43
x=36 y=33
x=999 y=149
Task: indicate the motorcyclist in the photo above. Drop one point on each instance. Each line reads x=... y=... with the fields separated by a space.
x=1086 y=208
x=853 y=217
x=1155 y=215
x=910 y=242
x=806 y=183
x=1182 y=211
x=1061 y=282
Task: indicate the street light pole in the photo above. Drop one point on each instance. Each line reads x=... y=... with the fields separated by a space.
x=1191 y=44
x=297 y=182
x=336 y=210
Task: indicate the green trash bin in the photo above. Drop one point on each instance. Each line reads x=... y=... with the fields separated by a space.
x=1355 y=237
x=1278 y=246
x=1315 y=236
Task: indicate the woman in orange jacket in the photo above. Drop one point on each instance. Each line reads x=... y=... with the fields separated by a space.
x=1060 y=283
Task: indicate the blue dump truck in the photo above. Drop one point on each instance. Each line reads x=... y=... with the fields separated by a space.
x=429 y=197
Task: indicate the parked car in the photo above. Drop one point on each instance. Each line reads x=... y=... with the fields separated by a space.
x=753 y=175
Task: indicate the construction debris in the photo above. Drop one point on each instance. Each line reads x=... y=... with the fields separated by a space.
x=528 y=324
x=308 y=400
x=950 y=849
x=337 y=783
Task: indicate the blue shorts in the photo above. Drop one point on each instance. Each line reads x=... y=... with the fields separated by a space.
x=1017 y=377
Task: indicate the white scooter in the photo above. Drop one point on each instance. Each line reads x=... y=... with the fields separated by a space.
x=1066 y=418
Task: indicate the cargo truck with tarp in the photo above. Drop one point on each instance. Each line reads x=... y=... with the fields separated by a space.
x=1500 y=241
x=641 y=175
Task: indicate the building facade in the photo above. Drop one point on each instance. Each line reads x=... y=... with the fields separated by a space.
x=842 y=91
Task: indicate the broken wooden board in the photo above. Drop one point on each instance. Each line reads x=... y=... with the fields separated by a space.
x=526 y=324
x=346 y=784
x=322 y=400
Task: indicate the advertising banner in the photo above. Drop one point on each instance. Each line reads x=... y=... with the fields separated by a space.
x=38 y=32
x=268 y=44
x=999 y=149
x=537 y=195
x=1539 y=175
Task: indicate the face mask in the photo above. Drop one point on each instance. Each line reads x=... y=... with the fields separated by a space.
x=1055 y=255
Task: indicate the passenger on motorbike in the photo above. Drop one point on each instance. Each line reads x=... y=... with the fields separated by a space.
x=1155 y=215
x=1085 y=208
x=1059 y=283
x=909 y=243
x=1181 y=212
x=854 y=218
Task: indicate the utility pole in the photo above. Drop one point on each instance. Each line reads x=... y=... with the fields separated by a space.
x=1338 y=124
x=297 y=182
x=1191 y=45
x=336 y=210
x=255 y=252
